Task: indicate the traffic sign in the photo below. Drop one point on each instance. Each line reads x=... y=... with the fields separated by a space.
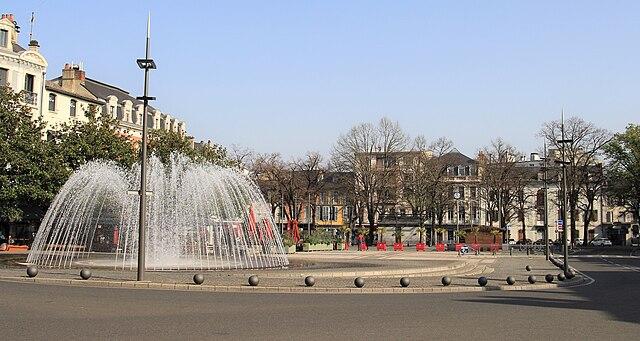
x=560 y=225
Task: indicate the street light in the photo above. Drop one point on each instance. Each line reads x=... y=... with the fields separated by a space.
x=563 y=141
x=456 y=195
x=146 y=64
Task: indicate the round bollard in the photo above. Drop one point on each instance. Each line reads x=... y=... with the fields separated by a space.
x=359 y=282
x=482 y=281
x=404 y=282
x=446 y=281
x=253 y=280
x=528 y=268
x=309 y=281
x=198 y=279
x=561 y=276
x=32 y=271
x=571 y=274
x=85 y=274
x=511 y=280
x=548 y=278
x=532 y=279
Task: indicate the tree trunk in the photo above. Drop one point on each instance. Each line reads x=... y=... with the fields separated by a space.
x=524 y=231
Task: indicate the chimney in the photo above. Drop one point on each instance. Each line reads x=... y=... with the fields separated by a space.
x=72 y=77
x=34 y=46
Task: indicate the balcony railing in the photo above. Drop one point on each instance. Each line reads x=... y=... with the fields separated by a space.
x=30 y=98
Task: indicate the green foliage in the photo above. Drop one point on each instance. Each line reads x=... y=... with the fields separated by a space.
x=287 y=240
x=30 y=171
x=319 y=237
x=82 y=141
x=164 y=143
x=623 y=173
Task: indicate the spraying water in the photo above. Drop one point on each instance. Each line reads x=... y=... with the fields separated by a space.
x=199 y=216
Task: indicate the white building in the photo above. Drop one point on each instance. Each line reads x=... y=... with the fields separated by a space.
x=67 y=98
x=23 y=70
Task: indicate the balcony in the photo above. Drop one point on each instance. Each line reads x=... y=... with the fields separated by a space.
x=30 y=98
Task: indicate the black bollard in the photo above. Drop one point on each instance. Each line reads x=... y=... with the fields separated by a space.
x=85 y=274
x=253 y=280
x=309 y=281
x=511 y=280
x=532 y=279
x=359 y=282
x=446 y=281
x=548 y=278
x=198 y=279
x=482 y=281
x=404 y=282
x=32 y=271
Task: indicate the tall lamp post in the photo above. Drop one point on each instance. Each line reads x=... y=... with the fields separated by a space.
x=563 y=141
x=546 y=213
x=146 y=64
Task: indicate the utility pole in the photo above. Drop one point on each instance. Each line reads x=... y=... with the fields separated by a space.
x=546 y=220
x=146 y=64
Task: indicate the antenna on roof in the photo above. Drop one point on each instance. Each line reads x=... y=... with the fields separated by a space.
x=33 y=18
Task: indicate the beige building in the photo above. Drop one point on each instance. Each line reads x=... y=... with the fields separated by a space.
x=23 y=70
x=67 y=98
x=73 y=94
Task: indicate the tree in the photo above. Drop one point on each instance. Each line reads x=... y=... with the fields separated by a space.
x=79 y=142
x=311 y=172
x=163 y=143
x=583 y=145
x=30 y=171
x=369 y=150
x=623 y=171
x=502 y=182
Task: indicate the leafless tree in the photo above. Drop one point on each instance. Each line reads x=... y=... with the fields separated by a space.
x=368 y=150
x=311 y=171
x=502 y=182
x=585 y=146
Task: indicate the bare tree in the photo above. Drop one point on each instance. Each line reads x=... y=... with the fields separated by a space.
x=368 y=151
x=241 y=156
x=501 y=182
x=312 y=170
x=583 y=144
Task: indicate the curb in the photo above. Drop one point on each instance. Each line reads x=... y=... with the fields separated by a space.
x=301 y=290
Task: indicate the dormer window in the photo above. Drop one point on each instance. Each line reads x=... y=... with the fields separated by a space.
x=4 y=38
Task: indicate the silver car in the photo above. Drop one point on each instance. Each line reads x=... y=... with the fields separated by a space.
x=601 y=242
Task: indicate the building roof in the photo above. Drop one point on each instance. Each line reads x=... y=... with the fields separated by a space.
x=83 y=93
x=454 y=157
x=17 y=48
x=103 y=90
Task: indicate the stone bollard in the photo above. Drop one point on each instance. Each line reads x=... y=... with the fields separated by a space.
x=309 y=281
x=198 y=279
x=404 y=282
x=85 y=274
x=511 y=280
x=446 y=281
x=253 y=280
x=482 y=281
x=359 y=282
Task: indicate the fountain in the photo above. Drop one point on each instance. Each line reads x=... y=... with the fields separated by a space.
x=199 y=216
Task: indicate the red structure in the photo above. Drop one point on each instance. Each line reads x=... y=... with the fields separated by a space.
x=421 y=247
x=440 y=247
x=381 y=246
x=398 y=247
x=292 y=228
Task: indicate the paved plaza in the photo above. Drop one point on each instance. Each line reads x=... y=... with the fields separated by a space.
x=334 y=273
x=603 y=307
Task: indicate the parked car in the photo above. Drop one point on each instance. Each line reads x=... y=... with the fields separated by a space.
x=541 y=242
x=601 y=242
x=579 y=241
x=512 y=241
x=527 y=242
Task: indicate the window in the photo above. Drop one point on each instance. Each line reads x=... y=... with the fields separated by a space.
x=72 y=108
x=28 y=82
x=474 y=192
x=4 y=79
x=52 y=102
x=4 y=38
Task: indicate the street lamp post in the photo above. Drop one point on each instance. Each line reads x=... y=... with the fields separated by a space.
x=456 y=195
x=546 y=213
x=146 y=64
x=563 y=141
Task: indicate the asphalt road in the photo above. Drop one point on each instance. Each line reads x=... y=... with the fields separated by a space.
x=608 y=308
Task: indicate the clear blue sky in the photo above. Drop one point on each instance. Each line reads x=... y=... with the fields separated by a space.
x=290 y=76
